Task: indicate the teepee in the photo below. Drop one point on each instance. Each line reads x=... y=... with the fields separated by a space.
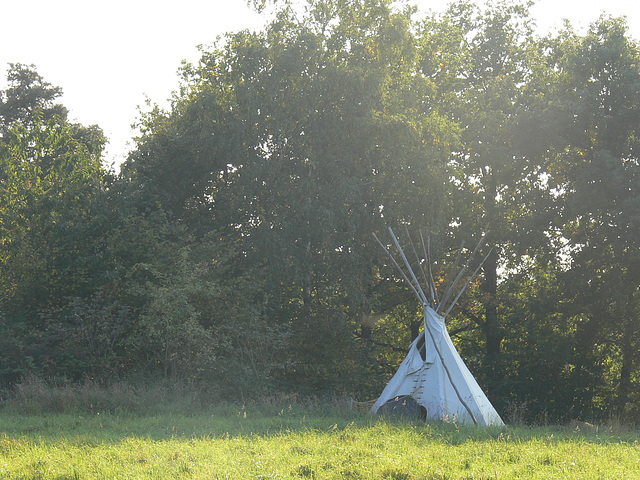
x=433 y=379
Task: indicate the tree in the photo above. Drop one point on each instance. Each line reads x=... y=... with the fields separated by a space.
x=52 y=221
x=27 y=97
x=597 y=170
x=294 y=144
x=497 y=174
x=48 y=181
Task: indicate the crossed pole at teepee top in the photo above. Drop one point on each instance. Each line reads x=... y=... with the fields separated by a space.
x=431 y=297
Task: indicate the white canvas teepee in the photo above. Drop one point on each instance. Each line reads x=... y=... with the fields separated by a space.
x=433 y=377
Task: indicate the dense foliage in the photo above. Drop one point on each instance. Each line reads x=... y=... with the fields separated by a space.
x=234 y=248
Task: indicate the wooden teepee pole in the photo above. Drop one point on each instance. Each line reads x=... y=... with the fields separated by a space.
x=454 y=284
x=450 y=277
x=427 y=283
x=422 y=296
x=455 y=300
x=427 y=256
x=404 y=276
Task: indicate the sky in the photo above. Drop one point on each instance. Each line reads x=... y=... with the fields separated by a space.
x=109 y=57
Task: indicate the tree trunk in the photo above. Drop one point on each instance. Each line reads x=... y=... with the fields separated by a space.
x=415 y=327
x=491 y=327
x=625 y=371
x=628 y=356
x=492 y=330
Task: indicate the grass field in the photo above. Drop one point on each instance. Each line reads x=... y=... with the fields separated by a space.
x=297 y=442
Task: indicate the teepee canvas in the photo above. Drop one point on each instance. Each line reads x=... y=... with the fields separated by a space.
x=433 y=379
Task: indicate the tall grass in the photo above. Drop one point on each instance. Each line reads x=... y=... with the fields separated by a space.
x=34 y=395
x=283 y=437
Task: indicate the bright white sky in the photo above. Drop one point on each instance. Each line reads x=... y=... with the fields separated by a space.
x=109 y=56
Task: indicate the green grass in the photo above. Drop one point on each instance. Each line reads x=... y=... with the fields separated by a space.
x=297 y=442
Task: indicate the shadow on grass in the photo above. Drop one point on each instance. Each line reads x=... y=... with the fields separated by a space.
x=94 y=413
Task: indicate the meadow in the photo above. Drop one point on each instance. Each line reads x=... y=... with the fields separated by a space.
x=292 y=439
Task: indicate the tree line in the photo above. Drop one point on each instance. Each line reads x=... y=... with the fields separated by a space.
x=233 y=249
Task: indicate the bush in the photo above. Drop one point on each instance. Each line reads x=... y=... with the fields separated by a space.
x=35 y=395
